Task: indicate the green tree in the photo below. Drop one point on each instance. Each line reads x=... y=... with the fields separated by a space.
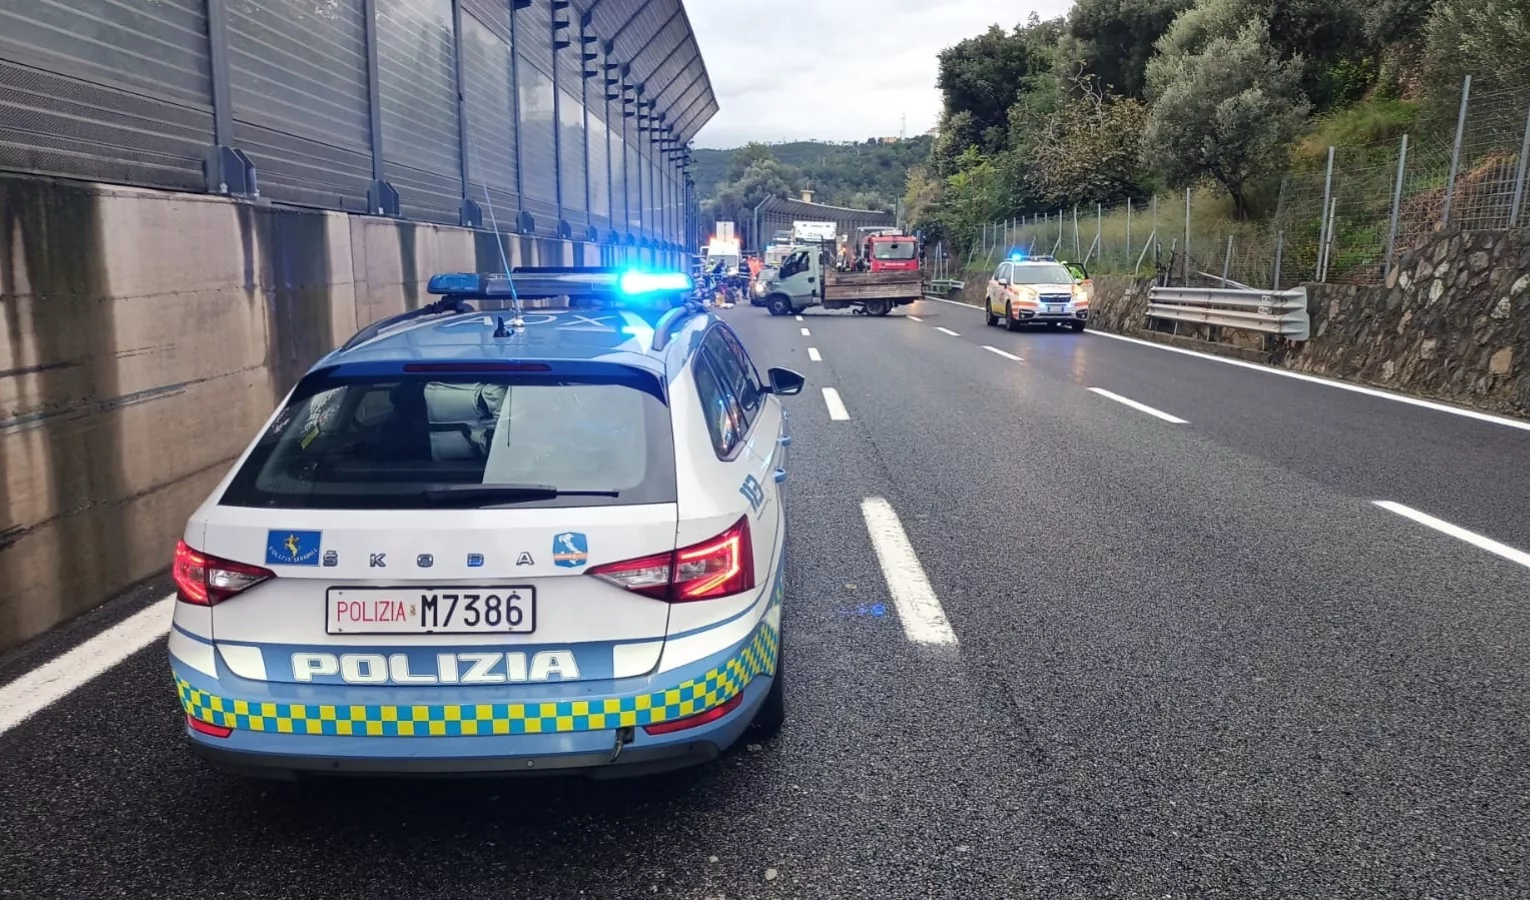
x=1487 y=39
x=920 y=194
x=1089 y=150
x=751 y=154
x=735 y=200
x=1193 y=31
x=1395 y=21
x=1230 y=113
x=1113 y=39
x=981 y=78
x=1327 y=36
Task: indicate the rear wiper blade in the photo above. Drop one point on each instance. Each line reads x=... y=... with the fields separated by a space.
x=506 y=493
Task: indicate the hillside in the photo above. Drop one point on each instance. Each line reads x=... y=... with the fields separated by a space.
x=843 y=174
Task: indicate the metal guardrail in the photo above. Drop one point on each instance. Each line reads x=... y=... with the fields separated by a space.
x=946 y=285
x=1282 y=313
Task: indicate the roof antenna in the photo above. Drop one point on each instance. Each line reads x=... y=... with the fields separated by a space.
x=518 y=322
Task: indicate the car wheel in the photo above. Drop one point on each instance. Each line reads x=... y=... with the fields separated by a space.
x=772 y=713
x=988 y=314
x=1010 y=324
x=1077 y=327
x=779 y=305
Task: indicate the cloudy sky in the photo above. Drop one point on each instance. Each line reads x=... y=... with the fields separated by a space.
x=834 y=69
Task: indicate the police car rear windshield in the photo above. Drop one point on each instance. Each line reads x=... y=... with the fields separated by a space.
x=417 y=442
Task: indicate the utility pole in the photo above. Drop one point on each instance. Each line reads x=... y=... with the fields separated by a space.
x=903 y=128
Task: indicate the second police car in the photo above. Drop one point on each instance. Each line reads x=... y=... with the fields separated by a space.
x=1036 y=290
x=471 y=542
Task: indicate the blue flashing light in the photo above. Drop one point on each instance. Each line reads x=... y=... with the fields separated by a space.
x=1017 y=256
x=635 y=282
x=454 y=283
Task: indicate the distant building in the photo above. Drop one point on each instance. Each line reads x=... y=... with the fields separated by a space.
x=777 y=214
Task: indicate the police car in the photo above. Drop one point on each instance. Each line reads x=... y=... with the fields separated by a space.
x=479 y=540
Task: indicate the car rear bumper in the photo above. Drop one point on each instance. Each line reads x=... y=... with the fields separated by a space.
x=505 y=757
x=590 y=728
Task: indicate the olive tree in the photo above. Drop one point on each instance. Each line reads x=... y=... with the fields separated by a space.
x=1229 y=112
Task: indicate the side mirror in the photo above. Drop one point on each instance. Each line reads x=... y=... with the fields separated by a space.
x=785 y=382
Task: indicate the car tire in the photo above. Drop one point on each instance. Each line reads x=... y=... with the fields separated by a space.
x=1077 y=327
x=1009 y=323
x=779 y=305
x=878 y=307
x=772 y=713
x=988 y=314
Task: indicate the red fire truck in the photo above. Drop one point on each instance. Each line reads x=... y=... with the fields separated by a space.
x=891 y=252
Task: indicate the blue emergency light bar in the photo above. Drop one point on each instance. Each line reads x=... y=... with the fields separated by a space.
x=597 y=284
x=654 y=282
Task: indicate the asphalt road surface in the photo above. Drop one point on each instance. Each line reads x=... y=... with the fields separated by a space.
x=1068 y=616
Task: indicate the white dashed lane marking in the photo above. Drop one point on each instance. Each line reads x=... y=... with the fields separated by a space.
x=1461 y=534
x=1139 y=407
x=836 y=406
x=814 y=355
x=1002 y=353
x=806 y=333
x=946 y=331
x=919 y=610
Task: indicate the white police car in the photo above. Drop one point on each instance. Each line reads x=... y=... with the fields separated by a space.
x=471 y=542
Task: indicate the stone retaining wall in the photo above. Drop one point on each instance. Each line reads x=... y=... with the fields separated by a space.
x=1452 y=322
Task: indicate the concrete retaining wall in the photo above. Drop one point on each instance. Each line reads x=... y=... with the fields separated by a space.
x=144 y=339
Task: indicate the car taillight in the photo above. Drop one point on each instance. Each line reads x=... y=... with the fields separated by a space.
x=207 y=580
x=720 y=567
x=711 y=715
x=211 y=730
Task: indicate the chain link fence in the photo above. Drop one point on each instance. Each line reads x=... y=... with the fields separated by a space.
x=1342 y=220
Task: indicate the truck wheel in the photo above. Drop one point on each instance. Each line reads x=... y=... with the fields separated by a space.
x=878 y=307
x=779 y=305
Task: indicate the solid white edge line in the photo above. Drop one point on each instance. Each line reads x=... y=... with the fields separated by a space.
x=919 y=610
x=1002 y=353
x=814 y=355
x=946 y=331
x=953 y=302
x=1457 y=532
x=914 y=319
x=837 y=411
x=1139 y=407
x=806 y=333
x=59 y=677
x=1329 y=382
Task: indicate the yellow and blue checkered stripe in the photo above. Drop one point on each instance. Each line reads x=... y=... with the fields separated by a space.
x=696 y=695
